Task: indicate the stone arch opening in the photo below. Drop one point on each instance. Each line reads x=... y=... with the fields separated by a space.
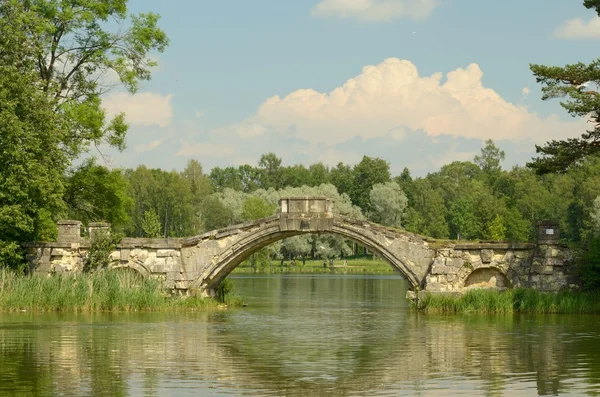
x=487 y=277
x=245 y=247
x=134 y=268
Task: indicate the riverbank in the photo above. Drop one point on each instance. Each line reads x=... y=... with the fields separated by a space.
x=518 y=300
x=352 y=266
x=99 y=291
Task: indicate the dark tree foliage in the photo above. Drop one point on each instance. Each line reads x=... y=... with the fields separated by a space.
x=576 y=83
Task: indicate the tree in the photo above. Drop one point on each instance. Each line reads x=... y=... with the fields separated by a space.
x=271 y=171
x=319 y=174
x=214 y=214
x=367 y=173
x=342 y=177
x=256 y=208
x=53 y=55
x=596 y=216
x=73 y=48
x=95 y=193
x=31 y=161
x=490 y=158
x=572 y=81
x=388 y=203
x=151 y=224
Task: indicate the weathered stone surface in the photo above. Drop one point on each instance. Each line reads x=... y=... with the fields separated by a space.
x=487 y=255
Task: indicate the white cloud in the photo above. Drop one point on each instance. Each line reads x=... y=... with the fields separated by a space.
x=146 y=108
x=375 y=10
x=146 y=147
x=391 y=95
x=525 y=91
x=577 y=28
x=206 y=149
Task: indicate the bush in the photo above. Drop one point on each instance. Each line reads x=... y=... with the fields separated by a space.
x=588 y=266
x=101 y=247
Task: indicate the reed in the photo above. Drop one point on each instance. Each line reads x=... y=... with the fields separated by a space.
x=91 y=292
x=518 y=300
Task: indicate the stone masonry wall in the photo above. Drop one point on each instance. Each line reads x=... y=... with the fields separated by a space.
x=200 y=262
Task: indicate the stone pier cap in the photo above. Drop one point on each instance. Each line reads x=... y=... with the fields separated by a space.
x=306 y=205
x=306 y=214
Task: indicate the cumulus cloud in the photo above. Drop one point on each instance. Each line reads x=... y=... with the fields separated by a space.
x=525 y=91
x=145 y=108
x=577 y=28
x=375 y=10
x=392 y=95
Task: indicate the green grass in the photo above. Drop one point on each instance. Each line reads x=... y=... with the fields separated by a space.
x=91 y=292
x=355 y=265
x=518 y=300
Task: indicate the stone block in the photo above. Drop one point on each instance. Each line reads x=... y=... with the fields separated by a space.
x=509 y=257
x=433 y=287
x=487 y=255
x=139 y=254
x=58 y=252
x=455 y=262
x=452 y=278
x=125 y=254
x=163 y=253
x=174 y=263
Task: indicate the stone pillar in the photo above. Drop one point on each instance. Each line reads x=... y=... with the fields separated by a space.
x=548 y=232
x=96 y=227
x=69 y=231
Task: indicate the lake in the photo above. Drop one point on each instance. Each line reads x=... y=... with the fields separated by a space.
x=301 y=335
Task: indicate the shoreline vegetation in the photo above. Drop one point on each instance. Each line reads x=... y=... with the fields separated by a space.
x=362 y=265
x=510 y=301
x=100 y=291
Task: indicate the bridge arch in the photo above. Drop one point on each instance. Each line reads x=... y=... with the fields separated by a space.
x=405 y=252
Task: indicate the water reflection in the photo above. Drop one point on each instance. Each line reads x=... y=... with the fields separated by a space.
x=300 y=335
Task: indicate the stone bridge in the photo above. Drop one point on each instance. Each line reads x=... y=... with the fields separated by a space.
x=200 y=263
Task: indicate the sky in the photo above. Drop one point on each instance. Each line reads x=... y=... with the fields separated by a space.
x=419 y=83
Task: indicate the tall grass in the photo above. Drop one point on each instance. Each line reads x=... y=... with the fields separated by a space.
x=518 y=300
x=90 y=292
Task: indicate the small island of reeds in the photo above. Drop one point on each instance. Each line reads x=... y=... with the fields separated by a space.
x=99 y=291
x=518 y=300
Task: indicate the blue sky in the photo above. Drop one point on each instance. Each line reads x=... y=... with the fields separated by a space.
x=332 y=80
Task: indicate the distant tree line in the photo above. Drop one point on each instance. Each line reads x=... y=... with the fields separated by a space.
x=467 y=200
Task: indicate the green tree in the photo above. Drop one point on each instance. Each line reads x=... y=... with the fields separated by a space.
x=74 y=48
x=496 y=229
x=342 y=177
x=368 y=172
x=490 y=158
x=388 y=203
x=53 y=55
x=214 y=214
x=271 y=171
x=151 y=224
x=427 y=211
x=319 y=174
x=575 y=83
x=228 y=177
x=95 y=193
x=31 y=162
x=256 y=208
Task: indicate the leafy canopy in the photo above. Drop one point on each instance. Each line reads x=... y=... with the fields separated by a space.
x=576 y=84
